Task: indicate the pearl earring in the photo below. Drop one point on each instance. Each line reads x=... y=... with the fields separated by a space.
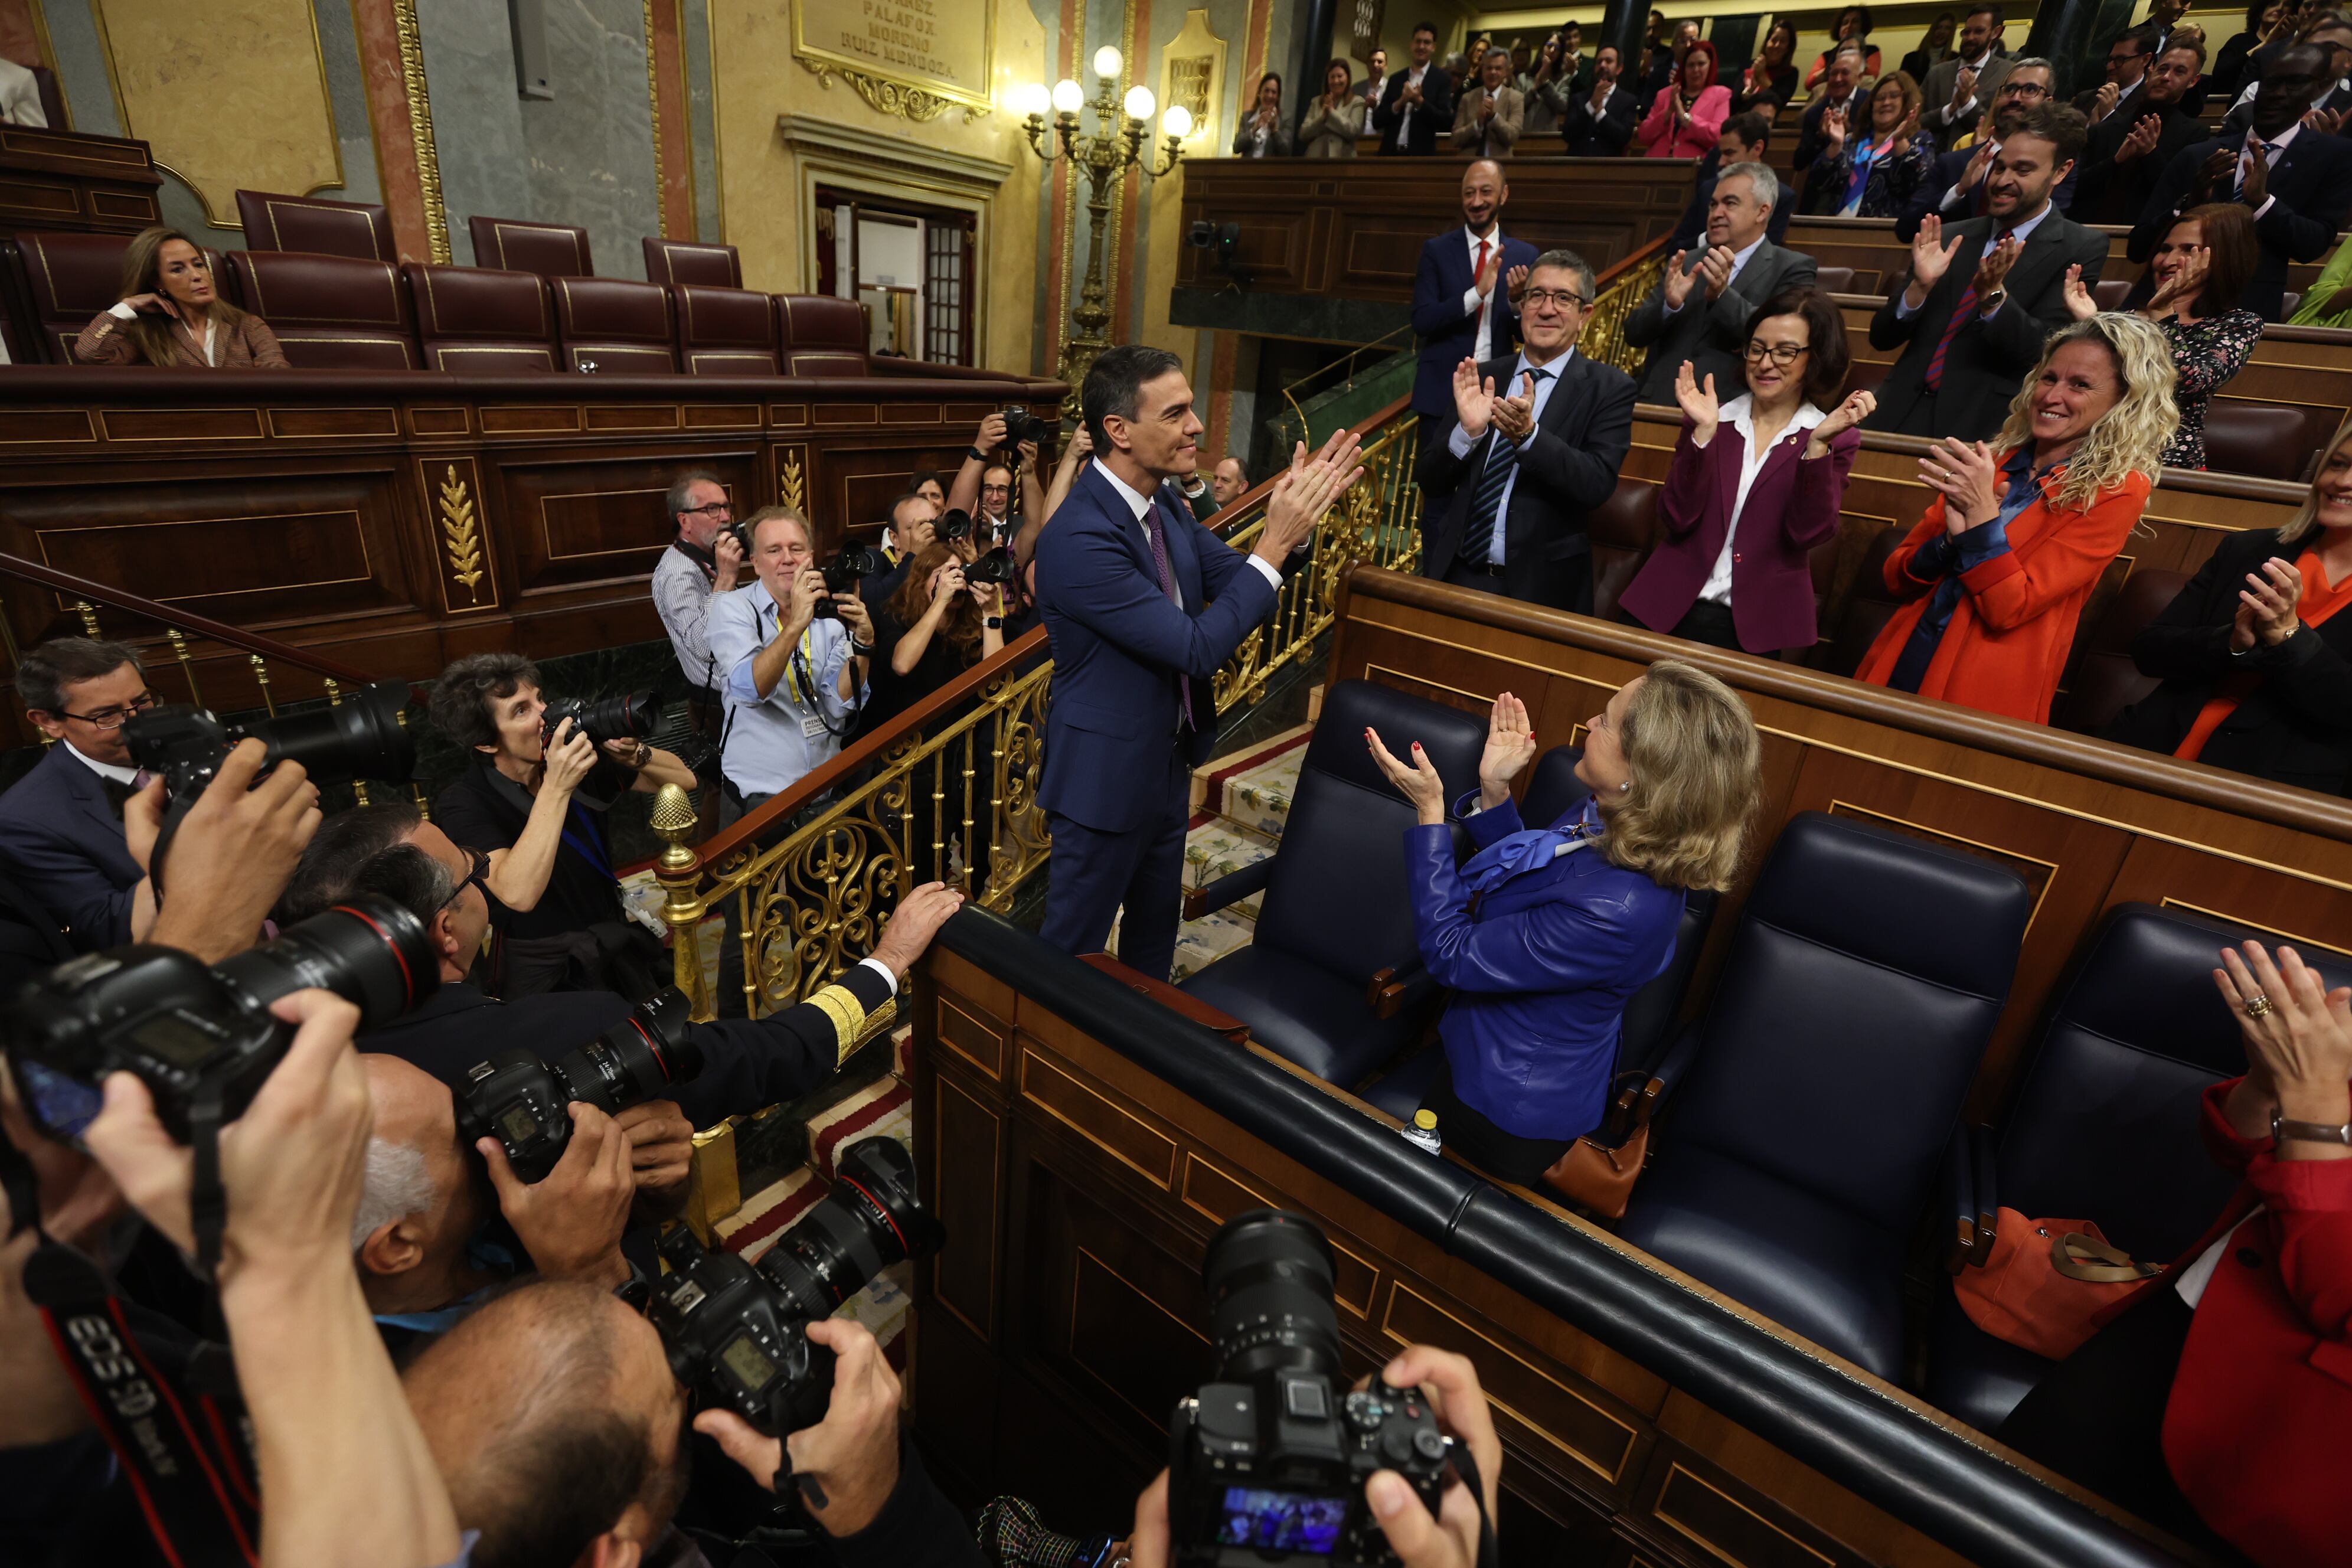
x=1623 y=788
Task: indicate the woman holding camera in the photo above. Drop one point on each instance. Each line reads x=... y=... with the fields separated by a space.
x=937 y=625
x=531 y=811
x=1545 y=933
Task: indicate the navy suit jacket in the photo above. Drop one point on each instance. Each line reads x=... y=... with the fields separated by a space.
x=1121 y=646
x=1448 y=336
x=65 y=845
x=2312 y=183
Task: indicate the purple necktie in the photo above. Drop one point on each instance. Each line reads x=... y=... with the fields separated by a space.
x=1154 y=529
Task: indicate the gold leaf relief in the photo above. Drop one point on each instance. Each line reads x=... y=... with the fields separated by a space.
x=460 y=537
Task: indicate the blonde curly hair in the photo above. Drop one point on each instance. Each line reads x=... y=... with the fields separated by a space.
x=1690 y=745
x=2130 y=439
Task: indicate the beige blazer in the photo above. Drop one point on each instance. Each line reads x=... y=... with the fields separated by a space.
x=1495 y=138
x=243 y=342
x=1332 y=133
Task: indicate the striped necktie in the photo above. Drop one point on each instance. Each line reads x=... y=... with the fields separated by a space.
x=2269 y=151
x=1502 y=461
x=1962 y=309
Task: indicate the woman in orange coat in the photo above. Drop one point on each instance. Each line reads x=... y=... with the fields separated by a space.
x=2020 y=531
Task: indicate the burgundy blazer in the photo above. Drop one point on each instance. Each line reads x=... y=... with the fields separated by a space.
x=1791 y=508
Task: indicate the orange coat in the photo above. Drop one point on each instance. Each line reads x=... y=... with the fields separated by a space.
x=2007 y=642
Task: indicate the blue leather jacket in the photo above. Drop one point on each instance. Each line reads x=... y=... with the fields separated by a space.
x=1541 y=968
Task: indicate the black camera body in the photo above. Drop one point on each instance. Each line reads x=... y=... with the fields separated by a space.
x=361 y=737
x=1267 y=1464
x=190 y=1031
x=843 y=573
x=630 y=716
x=997 y=566
x=735 y=1331
x=1020 y=425
x=521 y=1101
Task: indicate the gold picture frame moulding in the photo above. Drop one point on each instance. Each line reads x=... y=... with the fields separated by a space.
x=879 y=48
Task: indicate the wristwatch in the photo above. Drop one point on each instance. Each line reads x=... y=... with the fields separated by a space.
x=644 y=755
x=1992 y=301
x=2308 y=1131
x=994 y=622
x=977 y=455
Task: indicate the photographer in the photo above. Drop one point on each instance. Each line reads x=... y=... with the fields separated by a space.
x=533 y=805
x=746 y=1063
x=984 y=486
x=704 y=559
x=792 y=653
x=913 y=528
x=935 y=627
x=60 y=824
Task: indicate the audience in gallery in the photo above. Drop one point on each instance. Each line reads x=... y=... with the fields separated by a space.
x=1745 y=139
x=1840 y=92
x=1416 y=107
x=1465 y=289
x=1487 y=117
x=2324 y=27
x=2129 y=149
x=1996 y=574
x=20 y=97
x=1683 y=122
x=1979 y=305
x=1263 y=133
x=1562 y=75
x=2255 y=663
x=62 y=826
x=1872 y=173
x=1769 y=84
x=1934 y=48
x=1600 y=123
x=1852 y=27
x=1334 y=120
x=1737 y=270
x=2129 y=54
x=1376 y=71
x=530 y=811
x=1541 y=944
x=1534 y=444
x=170 y=315
x=1666 y=64
x=1958 y=90
x=2209 y=1405
x=1740 y=514
x=2267 y=21
x=1229 y=481
x=1954 y=188
x=2299 y=189
x=2207 y=254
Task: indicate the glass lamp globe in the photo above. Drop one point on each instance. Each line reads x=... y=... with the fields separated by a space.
x=1177 y=122
x=1035 y=98
x=1068 y=96
x=1108 y=61
x=1140 y=103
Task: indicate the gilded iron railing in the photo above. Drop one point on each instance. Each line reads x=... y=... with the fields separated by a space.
x=1621 y=288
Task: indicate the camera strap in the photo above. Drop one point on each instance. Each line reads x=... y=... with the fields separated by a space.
x=1464 y=1466
x=21 y=1186
x=207 y=1199
x=166 y=1404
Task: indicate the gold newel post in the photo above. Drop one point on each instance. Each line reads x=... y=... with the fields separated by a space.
x=714 y=1188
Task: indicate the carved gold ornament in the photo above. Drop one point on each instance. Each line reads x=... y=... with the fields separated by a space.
x=460 y=536
x=792 y=480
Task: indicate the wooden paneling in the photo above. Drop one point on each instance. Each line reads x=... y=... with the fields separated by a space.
x=57 y=179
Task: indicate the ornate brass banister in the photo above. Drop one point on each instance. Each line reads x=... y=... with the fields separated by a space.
x=1619 y=289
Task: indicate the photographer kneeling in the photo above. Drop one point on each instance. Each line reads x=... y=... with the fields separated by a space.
x=534 y=804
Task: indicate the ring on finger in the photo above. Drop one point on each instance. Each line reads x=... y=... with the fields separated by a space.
x=2259 y=1007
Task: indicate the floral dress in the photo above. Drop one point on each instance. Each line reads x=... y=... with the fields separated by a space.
x=1885 y=190
x=2205 y=354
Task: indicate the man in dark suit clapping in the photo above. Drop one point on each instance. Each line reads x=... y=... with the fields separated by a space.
x=1700 y=308
x=1599 y=123
x=2297 y=177
x=1416 y=108
x=1464 y=290
x=1535 y=444
x=1142 y=607
x=61 y=823
x=1972 y=318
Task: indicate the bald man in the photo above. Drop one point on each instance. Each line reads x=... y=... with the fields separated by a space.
x=1464 y=291
x=1229 y=482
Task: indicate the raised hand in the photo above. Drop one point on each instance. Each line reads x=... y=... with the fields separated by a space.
x=1515 y=417
x=1857 y=407
x=726 y=559
x=2326 y=122
x=947 y=584
x=2300 y=1040
x=2184 y=285
x=1717 y=267
x=1510 y=747
x=2079 y=302
x=1677 y=282
x=2219 y=169
x=1994 y=264
x=1978 y=162
x=2257 y=188
x=991 y=433
x=2144 y=134
x=1900 y=142
x=1964 y=88
x=1485 y=281
x=1698 y=403
x=2109 y=95
x=568 y=756
x=1419 y=782
x=1833 y=130
x=1473 y=401
x=1301 y=497
x=1514 y=283
x=1966 y=475
x=1930 y=258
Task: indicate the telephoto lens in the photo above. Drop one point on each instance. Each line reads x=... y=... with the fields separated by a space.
x=361 y=737
x=521 y=1100
x=1268 y=1275
x=953 y=525
x=733 y=1332
x=996 y=566
x=630 y=716
x=190 y=1031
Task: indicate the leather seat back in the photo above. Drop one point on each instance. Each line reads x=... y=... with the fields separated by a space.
x=1622 y=530
x=1553 y=787
x=1864 y=980
x=73 y=278
x=823 y=335
x=615 y=326
x=1833 y=279
x=2104 y=681
x=727 y=331
x=2264 y=440
x=670 y=262
x=2111 y=292
x=274 y=221
x=2105 y=1121
x=330 y=312
x=481 y=322
x=1868 y=606
x=1337 y=897
x=513 y=245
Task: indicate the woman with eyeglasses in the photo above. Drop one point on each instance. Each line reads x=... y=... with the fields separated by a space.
x=1755 y=488
x=1871 y=173
x=533 y=805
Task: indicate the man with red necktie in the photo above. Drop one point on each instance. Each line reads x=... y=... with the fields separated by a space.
x=1466 y=289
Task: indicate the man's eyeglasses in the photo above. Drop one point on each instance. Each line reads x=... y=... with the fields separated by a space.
x=114 y=718
x=478 y=875
x=710 y=507
x=2024 y=90
x=1559 y=298
x=1782 y=354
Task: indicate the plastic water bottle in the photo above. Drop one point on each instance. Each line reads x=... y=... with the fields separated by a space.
x=1423 y=1131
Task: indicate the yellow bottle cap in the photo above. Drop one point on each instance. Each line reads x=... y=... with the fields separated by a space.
x=1425 y=1120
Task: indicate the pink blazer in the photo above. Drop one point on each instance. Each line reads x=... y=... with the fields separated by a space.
x=1696 y=139
x=1791 y=508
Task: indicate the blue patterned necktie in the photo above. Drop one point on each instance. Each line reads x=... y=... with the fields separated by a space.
x=1502 y=461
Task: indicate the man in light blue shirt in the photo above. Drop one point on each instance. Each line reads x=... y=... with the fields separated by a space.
x=793 y=680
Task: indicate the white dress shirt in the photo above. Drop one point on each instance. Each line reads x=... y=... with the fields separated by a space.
x=1405 y=112
x=1139 y=503
x=1462 y=444
x=1737 y=414
x=113 y=771
x=1738 y=261
x=1479 y=305
x=20 y=97
x=2193 y=1280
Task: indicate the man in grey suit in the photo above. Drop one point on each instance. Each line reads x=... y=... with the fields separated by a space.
x=1487 y=118
x=1957 y=90
x=1699 y=309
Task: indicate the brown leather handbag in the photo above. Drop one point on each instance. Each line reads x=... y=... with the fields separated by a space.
x=1600 y=1169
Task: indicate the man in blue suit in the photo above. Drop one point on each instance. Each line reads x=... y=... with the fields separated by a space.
x=1142 y=607
x=1465 y=292
x=61 y=823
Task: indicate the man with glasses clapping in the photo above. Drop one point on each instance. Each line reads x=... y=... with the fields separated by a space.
x=61 y=829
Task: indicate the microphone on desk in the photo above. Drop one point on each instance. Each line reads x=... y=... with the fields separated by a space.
x=1010 y=1535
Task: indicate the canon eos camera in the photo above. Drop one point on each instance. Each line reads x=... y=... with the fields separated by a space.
x=521 y=1100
